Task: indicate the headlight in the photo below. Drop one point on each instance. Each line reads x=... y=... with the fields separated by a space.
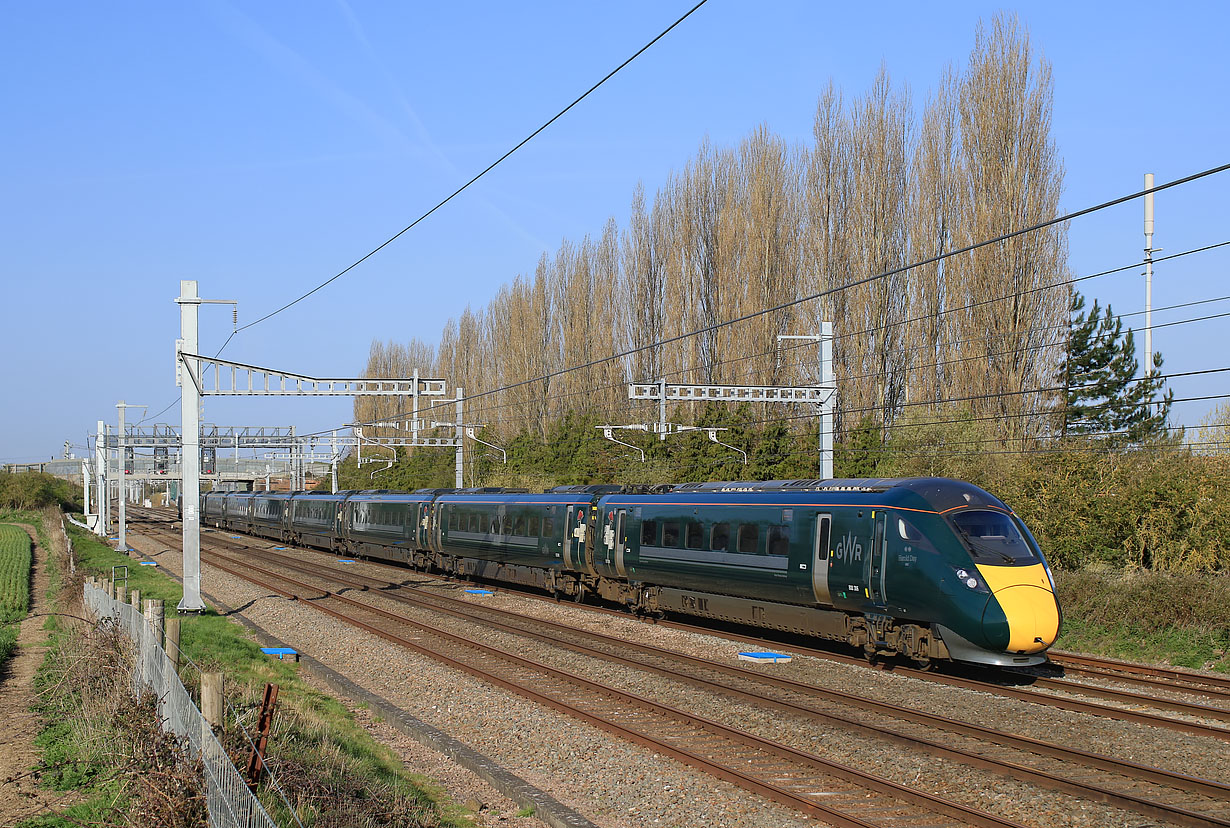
x=970 y=581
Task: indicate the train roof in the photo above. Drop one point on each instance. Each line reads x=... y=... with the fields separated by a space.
x=390 y=495
x=938 y=494
x=514 y=496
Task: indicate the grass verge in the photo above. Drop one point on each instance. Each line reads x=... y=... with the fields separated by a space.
x=333 y=772
x=1182 y=620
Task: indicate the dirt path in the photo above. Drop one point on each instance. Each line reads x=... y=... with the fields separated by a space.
x=20 y=796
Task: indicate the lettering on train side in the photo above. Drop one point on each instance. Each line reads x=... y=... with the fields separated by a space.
x=848 y=549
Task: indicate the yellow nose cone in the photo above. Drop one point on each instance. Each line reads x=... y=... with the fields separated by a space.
x=1033 y=617
x=1024 y=594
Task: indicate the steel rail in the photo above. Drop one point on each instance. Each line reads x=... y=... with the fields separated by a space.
x=1074 y=705
x=777 y=793
x=1170 y=678
x=1132 y=772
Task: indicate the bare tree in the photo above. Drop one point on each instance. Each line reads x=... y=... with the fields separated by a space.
x=1010 y=178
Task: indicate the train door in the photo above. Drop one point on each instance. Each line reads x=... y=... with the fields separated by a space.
x=621 y=541
x=574 y=538
x=876 y=558
x=820 y=559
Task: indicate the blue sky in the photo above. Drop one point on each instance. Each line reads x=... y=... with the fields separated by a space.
x=261 y=147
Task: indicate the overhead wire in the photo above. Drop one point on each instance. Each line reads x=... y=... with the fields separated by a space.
x=976 y=357
x=837 y=337
x=865 y=280
x=467 y=185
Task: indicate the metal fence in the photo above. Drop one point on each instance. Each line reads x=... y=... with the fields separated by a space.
x=230 y=803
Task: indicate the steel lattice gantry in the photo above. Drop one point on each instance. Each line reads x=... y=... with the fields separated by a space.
x=201 y=376
x=820 y=396
x=211 y=436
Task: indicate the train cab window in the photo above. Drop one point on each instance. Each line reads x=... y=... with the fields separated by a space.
x=695 y=536
x=992 y=538
x=719 y=537
x=649 y=532
x=548 y=527
x=749 y=538
x=519 y=527
x=779 y=540
x=670 y=533
x=533 y=527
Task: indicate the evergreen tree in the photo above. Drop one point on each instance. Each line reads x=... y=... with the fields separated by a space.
x=1102 y=393
x=860 y=453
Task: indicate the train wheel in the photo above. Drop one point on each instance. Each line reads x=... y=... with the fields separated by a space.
x=924 y=664
x=580 y=596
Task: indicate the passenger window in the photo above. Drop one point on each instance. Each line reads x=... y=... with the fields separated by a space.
x=670 y=533
x=779 y=540
x=495 y=526
x=452 y=521
x=695 y=536
x=534 y=523
x=649 y=533
x=822 y=539
x=519 y=527
x=719 y=537
x=507 y=525
x=749 y=538
x=548 y=527
x=907 y=531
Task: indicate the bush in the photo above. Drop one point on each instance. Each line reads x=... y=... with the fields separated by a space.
x=1147 y=616
x=35 y=490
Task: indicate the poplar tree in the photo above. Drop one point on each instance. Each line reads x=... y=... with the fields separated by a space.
x=1102 y=392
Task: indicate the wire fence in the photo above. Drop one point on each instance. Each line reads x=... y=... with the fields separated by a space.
x=230 y=803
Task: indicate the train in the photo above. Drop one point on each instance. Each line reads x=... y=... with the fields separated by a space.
x=928 y=569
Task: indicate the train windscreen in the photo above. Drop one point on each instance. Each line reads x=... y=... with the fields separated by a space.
x=992 y=538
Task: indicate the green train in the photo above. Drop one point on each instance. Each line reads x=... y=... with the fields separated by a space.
x=926 y=568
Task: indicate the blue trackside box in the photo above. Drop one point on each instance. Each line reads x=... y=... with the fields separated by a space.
x=765 y=658
x=345 y=560
x=479 y=592
x=281 y=652
x=149 y=563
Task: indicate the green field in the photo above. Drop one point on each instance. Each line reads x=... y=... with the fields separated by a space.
x=14 y=585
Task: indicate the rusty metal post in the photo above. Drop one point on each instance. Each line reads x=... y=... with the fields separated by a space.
x=256 y=763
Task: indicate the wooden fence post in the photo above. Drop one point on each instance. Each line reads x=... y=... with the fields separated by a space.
x=153 y=616
x=211 y=700
x=172 y=638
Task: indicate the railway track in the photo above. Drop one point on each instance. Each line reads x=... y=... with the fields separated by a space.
x=1027 y=686
x=838 y=794
x=1143 y=675
x=1152 y=792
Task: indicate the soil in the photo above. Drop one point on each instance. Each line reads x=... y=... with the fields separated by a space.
x=20 y=795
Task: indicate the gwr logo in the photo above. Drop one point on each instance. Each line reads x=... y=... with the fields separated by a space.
x=848 y=549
